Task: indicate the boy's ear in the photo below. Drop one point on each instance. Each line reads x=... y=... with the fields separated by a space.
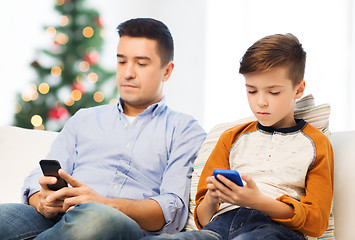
x=300 y=89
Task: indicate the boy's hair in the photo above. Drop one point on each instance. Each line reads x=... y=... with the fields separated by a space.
x=151 y=29
x=276 y=51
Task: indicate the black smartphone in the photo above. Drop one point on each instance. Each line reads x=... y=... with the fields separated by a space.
x=50 y=168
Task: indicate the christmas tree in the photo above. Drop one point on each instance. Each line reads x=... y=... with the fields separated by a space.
x=69 y=76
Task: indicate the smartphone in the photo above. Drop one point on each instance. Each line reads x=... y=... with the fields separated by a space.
x=50 y=168
x=230 y=174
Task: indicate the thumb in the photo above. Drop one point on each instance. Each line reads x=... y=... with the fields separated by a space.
x=248 y=180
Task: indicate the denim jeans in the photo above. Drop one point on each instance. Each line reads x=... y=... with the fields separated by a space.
x=238 y=224
x=85 y=221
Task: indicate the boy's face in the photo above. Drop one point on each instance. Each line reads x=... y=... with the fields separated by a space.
x=140 y=76
x=272 y=97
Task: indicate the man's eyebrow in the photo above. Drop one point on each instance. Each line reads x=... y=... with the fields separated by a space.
x=142 y=58
x=137 y=58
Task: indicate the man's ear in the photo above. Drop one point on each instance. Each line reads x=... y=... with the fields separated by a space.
x=168 y=69
x=300 y=89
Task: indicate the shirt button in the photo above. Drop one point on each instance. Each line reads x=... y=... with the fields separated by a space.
x=115 y=186
x=127 y=145
x=125 y=125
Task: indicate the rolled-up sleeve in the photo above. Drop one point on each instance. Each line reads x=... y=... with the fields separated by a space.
x=175 y=187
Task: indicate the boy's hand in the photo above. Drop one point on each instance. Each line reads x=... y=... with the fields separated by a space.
x=247 y=196
x=212 y=190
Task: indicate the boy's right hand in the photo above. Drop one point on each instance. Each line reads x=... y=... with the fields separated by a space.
x=212 y=190
x=39 y=199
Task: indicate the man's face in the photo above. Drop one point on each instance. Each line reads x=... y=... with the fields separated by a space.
x=272 y=97
x=140 y=75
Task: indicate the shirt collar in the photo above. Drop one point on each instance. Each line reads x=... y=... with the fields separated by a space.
x=154 y=109
x=300 y=123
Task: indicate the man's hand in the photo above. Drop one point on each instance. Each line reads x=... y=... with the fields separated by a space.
x=40 y=201
x=79 y=193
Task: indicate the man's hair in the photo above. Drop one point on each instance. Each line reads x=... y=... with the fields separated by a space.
x=151 y=29
x=275 y=51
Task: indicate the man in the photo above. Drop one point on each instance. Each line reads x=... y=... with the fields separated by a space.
x=129 y=164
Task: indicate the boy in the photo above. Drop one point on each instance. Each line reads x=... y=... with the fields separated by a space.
x=287 y=164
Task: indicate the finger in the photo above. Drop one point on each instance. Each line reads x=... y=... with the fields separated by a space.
x=62 y=194
x=72 y=181
x=224 y=184
x=71 y=202
x=248 y=180
x=71 y=208
x=44 y=181
x=209 y=179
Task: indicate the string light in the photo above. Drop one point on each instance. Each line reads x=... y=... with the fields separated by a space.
x=18 y=108
x=84 y=66
x=69 y=102
x=64 y=20
x=76 y=95
x=99 y=97
x=79 y=79
x=30 y=93
x=56 y=71
x=43 y=88
x=51 y=31
x=93 y=77
x=88 y=32
x=36 y=120
x=40 y=127
x=62 y=38
x=60 y=2
x=113 y=101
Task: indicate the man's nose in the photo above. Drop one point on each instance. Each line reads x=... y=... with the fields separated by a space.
x=129 y=71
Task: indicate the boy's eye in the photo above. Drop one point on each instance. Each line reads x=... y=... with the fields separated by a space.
x=121 y=62
x=251 y=92
x=142 y=64
x=275 y=93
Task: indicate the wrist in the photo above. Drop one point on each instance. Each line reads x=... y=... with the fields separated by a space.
x=211 y=200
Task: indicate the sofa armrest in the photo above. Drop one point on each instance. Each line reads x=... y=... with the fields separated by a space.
x=344 y=191
x=20 y=151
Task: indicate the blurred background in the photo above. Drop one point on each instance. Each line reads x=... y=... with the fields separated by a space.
x=210 y=38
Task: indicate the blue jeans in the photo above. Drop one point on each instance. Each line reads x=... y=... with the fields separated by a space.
x=85 y=221
x=238 y=224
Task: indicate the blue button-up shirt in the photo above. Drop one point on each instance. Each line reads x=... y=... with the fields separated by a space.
x=150 y=158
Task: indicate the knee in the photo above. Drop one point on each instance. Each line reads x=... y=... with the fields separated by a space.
x=99 y=221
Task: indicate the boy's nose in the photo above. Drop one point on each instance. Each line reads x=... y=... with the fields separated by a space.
x=262 y=101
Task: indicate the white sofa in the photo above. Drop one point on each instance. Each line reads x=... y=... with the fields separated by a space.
x=21 y=150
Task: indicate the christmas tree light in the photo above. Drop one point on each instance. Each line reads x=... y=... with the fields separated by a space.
x=69 y=75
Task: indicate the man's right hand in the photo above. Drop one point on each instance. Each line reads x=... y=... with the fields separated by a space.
x=39 y=199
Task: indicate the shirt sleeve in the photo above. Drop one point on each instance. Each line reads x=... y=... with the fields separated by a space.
x=62 y=150
x=219 y=158
x=311 y=213
x=175 y=186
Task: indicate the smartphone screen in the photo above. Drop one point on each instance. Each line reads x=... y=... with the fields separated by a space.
x=50 y=168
